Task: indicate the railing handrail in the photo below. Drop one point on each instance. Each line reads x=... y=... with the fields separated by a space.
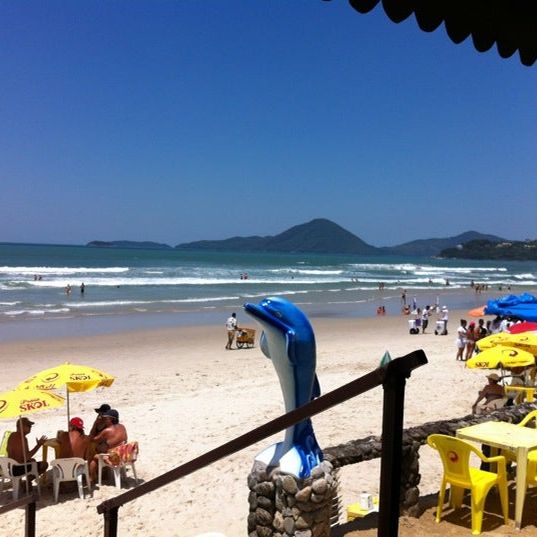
x=397 y=367
x=29 y=518
x=25 y=500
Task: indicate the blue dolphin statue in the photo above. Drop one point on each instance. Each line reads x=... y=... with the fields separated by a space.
x=288 y=340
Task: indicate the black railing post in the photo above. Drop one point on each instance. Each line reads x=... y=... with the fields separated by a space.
x=392 y=447
x=110 y=522
x=29 y=527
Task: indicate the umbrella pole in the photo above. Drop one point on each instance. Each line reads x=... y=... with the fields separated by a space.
x=24 y=456
x=68 y=409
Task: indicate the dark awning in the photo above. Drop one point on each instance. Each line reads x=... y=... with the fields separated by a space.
x=511 y=24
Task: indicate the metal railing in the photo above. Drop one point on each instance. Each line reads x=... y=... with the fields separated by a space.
x=392 y=378
x=29 y=518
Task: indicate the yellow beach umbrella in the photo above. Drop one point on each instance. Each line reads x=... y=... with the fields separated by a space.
x=493 y=340
x=524 y=340
x=15 y=403
x=75 y=378
x=501 y=356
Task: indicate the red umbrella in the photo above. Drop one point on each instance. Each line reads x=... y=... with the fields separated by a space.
x=526 y=326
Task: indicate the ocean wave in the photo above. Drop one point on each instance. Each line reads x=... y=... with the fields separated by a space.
x=137 y=281
x=115 y=303
x=62 y=270
x=10 y=303
x=312 y=272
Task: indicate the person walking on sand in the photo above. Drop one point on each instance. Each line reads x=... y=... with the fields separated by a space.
x=231 y=327
x=425 y=318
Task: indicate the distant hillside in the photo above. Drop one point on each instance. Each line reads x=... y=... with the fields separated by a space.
x=433 y=247
x=318 y=236
x=483 y=249
x=133 y=245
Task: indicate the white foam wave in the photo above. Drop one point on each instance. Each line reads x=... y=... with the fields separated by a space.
x=14 y=313
x=62 y=270
x=120 y=282
x=311 y=272
x=9 y=303
x=115 y=303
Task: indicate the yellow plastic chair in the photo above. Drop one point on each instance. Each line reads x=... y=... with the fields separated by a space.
x=455 y=454
x=3 y=444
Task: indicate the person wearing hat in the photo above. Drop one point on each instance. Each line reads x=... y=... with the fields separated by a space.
x=493 y=394
x=110 y=437
x=18 y=449
x=74 y=443
x=99 y=423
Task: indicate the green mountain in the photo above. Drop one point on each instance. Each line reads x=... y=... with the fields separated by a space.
x=433 y=247
x=318 y=236
x=483 y=249
x=134 y=245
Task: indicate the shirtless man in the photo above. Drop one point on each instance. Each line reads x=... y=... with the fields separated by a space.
x=492 y=393
x=74 y=443
x=17 y=447
x=113 y=435
x=99 y=423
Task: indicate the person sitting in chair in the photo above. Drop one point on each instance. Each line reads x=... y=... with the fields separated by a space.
x=74 y=443
x=17 y=448
x=493 y=394
x=112 y=436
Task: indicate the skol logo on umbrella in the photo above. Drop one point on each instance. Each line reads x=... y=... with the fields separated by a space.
x=3 y=404
x=32 y=404
x=78 y=377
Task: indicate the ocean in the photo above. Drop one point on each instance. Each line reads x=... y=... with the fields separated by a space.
x=130 y=289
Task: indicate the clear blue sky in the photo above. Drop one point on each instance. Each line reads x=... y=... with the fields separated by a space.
x=182 y=120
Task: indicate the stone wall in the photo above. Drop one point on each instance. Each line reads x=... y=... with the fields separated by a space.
x=371 y=448
x=282 y=505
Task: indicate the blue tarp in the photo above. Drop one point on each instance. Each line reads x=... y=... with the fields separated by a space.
x=523 y=307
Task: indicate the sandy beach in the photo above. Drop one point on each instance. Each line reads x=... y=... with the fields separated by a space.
x=180 y=394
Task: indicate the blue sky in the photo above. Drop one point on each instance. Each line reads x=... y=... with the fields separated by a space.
x=179 y=120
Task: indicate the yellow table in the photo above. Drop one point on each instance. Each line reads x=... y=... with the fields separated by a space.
x=529 y=391
x=503 y=435
x=51 y=443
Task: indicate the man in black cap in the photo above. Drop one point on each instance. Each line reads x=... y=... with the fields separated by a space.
x=110 y=437
x=17 y=447
x=99 y=423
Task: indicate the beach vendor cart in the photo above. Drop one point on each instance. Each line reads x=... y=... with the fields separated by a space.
x=245 y=338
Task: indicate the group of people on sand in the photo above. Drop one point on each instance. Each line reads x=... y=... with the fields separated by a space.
x=106 y=434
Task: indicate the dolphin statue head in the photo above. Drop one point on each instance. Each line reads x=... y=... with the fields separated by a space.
x=288 y=340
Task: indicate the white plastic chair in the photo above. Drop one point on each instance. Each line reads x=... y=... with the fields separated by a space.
x=70 y=469
x=128 y=458
x=6 y=468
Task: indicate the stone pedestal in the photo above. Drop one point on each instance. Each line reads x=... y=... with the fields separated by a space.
x=282 y=505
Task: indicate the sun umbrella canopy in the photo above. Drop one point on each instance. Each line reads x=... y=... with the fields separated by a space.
x=15 y=403
x=477 y=312
x=493 y=340
x=526 y=326
x=526 y=341
x=501 y=356
x=522 y=306
x=77 y=378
